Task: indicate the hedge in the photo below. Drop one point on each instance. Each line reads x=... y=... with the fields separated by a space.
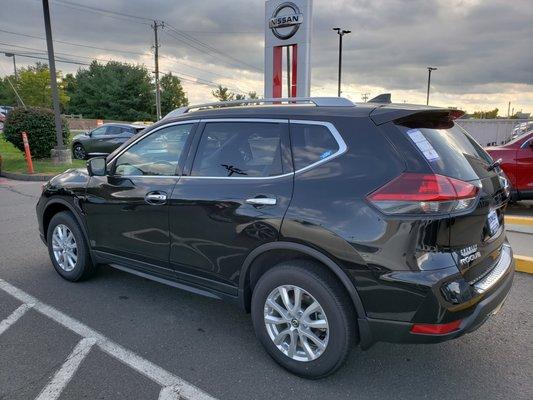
x=39 y=124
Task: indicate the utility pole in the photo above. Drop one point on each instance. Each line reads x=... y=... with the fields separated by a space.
x=15 y=71
x=14 y=64
x=429 y=81
x=364 y=97
x=341 y=33
x=509 y=110
x=60 y=154
x=155 y=26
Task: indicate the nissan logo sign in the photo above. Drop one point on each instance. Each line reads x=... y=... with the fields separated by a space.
x=285 y=20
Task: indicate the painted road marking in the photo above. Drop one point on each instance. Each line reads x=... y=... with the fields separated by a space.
x=14 y=317
x=173 y=387
x=67 y=370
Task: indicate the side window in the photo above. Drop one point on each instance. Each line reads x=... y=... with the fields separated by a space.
x=114 y=130
x=240 y=149
x=156 y=154
x=311 y=143
x=99 y=131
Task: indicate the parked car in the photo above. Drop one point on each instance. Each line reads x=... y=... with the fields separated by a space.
x=103 y=139
x=5 y=109
x=332 y=223
x=521 y=129
x=2 y=121
x=517 y=163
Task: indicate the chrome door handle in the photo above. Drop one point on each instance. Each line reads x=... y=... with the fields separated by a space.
x=155 y=198
x=262 y=201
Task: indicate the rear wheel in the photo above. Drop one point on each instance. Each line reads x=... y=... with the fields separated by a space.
x=78 y=151
x=68 y=249
x=304 y=318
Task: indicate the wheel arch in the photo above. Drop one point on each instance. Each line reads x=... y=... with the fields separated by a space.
x=251 y=269
x=55 y=206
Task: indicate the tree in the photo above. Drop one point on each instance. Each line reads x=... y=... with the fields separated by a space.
x=7 y=95
x=240 y=97
x=485 y=114
x=34 y=86
x=252 y=95
x=115 y=90
x=222 y=93
x=172 y=94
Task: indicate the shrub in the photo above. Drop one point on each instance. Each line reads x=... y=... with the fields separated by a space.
x=39 y=124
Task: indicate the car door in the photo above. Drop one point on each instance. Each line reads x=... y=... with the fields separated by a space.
x=96 y=143
x=127 y=211
x=232 y=199
x=114 y=137
x=524 y=168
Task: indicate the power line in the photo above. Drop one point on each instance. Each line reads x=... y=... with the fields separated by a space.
x=209 y=47
x=75 y=44
x=110 y=13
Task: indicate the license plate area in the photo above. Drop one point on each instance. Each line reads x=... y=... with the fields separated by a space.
x=493 y=222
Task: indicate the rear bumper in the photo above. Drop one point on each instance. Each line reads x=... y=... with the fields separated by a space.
x=472 y=313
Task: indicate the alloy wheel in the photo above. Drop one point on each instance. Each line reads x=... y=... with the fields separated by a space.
x=64 y=247
x=79 y=152
x=296 y=323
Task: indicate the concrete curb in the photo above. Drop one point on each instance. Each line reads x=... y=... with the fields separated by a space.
x=27 y=177
x=516 y=220
x=524 y=264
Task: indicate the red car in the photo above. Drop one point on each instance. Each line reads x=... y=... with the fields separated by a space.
x=517 y=163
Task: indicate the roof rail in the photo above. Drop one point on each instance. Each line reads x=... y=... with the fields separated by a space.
x=317 y=101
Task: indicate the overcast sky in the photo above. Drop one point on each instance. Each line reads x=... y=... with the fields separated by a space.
x=483 y=48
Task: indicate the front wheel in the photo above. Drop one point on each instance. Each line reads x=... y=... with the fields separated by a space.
x=68 y=248
x=304 y=318
x=78 y=151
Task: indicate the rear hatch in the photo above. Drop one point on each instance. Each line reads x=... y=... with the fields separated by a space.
x=476 y=234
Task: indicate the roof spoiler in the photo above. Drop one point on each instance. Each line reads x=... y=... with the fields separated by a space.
x=384 y=98
x=416 y=116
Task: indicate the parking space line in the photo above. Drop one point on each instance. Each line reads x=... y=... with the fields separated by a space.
x=14 y=317
x=173 y=387
x=63 y=376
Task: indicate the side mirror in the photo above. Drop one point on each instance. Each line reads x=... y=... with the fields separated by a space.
x=88 y=133
x=97 y=166
x=531 y=144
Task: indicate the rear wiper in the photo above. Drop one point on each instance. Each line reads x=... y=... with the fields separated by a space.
x=494 y=164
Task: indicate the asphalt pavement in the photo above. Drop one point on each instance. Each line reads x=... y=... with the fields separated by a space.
x=150 y=340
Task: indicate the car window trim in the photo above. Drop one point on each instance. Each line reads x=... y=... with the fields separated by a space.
x=112 y=161
x=333 y=131
x=526 y=143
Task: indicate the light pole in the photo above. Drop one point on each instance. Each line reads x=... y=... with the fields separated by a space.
x=429 y=81
x=341 y=33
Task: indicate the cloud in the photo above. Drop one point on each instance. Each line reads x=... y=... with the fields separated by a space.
x=482 y=48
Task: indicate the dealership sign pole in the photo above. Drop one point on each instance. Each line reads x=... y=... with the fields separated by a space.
x=288 y=24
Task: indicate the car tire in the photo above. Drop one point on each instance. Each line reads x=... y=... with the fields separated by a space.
x=68 y=248
x=315 y=284
x=78 y=151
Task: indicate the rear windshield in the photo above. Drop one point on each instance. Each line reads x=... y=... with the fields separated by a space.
x=451 y=151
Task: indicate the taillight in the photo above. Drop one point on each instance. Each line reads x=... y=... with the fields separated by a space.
x=414 y=193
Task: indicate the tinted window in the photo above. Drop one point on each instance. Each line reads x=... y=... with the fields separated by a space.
x=114 y=130
x=156 y=154
x=450 y=151
x=99 y=131
x=311 y=143
x=239 y=149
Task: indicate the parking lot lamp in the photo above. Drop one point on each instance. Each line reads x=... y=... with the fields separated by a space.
x=341 y=33
x=429 y=81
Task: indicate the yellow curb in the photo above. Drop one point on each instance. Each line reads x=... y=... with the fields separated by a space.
x=524 y=264
x=512 y=219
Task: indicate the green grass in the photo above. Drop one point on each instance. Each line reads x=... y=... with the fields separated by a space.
x=13 y=161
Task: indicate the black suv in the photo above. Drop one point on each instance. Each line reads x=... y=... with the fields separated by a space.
x=332 y=223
